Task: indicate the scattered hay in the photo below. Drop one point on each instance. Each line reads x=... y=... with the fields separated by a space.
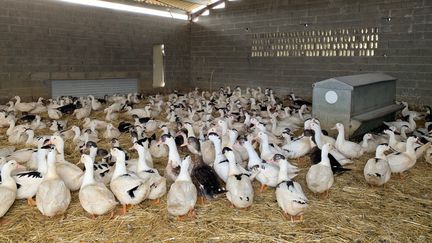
x=354 y=211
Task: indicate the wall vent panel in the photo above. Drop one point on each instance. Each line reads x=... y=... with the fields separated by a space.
x=98 y=88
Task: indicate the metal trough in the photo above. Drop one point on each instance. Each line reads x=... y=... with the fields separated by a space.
x=360 y=102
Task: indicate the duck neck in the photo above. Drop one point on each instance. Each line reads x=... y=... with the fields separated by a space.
x=51 y=167
x=30 y=137
x=224 y=127
x=392 y=139
x=247 y=119
x=190 y=131
x=410 y=151
x=142 y=164
x=217 y=145
x=411 y=122
x=317 y=136
x=233 y=170
x=265 y=146
x=324 y=157
x=60 y=151
x=365 y=142
x=11 y=127
x=120 y=167
x=283 y=171
x=93 y=153
x=274 y=124
x=379 y=154
x=7 y=179
x=288 y=139
x=254 y=159
x=232 y=140
x=88 y=178
x=77 y=134
x=341 y=135
x=184 y=172
x=42 y=163
x=173 y=154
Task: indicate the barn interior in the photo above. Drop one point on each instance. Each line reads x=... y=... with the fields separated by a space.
x=354 y=62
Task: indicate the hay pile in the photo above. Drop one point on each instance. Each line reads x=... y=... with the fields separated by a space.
x=353 y=212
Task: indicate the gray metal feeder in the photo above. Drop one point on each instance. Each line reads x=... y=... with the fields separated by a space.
x=360 y=102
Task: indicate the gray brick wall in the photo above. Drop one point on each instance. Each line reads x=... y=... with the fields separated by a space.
x=221 y=42
x=43 y=39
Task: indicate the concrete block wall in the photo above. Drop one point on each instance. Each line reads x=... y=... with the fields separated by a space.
x=221 y=44
x=42 y=40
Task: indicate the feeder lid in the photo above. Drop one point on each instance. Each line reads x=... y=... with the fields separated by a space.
x=349 y=82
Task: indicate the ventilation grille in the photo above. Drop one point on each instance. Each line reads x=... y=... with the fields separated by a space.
x=334 y=42
x=98 y=88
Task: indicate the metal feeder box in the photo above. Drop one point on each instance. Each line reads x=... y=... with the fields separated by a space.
x=360 y=102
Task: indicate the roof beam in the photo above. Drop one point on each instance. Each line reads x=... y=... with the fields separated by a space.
x=200 y=2
x=208 y=7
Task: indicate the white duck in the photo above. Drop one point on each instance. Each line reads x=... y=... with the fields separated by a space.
x=94 y=196
x=369 y=143
x=267 y=151
x=266 y=173
x=71 y=174
x=110 y=114
x=95 y=104
x=394 y=143
x=157 y=183
x=8 y=187
x=173 y=165
x=28 y=181
x=239 y=185
x=54 y=114
x=37 y=123
x=411 y=124
x=350 y=149
x=39 y=107
x=400 y=162
x=22 y=155
x=111 y=132
x=182 y=196
x=220 y=164
x=23 y=107
x=128 y=188
x=53 y=196
x=319 y=142
x=83 y=112
x=18 y=137
x=320 y=178
x=298 y=147
x=377 y=170
x=289 y=194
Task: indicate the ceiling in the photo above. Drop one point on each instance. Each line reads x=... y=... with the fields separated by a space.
x=185 y=5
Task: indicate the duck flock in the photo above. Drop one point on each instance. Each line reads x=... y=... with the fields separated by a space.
x=229 y=138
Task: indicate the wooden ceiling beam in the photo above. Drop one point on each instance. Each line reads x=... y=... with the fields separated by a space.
x=200 y=2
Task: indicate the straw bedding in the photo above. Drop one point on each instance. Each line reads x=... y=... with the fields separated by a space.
x=354 y=211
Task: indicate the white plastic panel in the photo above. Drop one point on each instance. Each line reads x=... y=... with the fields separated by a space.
x=98 y=88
